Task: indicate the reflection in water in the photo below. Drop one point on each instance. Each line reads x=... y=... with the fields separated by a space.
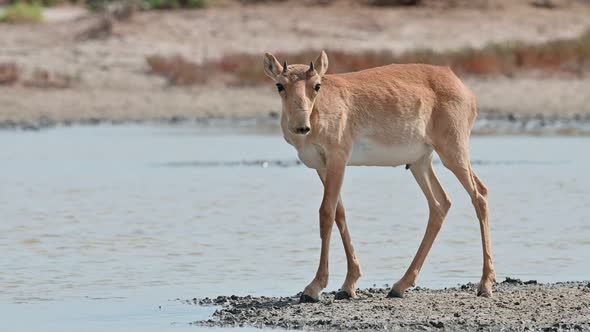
x=95 y=211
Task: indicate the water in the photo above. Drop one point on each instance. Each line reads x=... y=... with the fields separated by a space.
x=103 y=227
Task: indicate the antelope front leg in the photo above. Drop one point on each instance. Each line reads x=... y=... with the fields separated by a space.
x=334 y=173
x=348 y=289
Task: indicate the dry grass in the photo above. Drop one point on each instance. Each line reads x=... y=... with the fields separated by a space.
x=9 y=73
x=177 y=70
x=100 y=27
x=569 y=57
x=45 y=80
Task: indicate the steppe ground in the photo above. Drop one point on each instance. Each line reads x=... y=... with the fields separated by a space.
x=113 y=83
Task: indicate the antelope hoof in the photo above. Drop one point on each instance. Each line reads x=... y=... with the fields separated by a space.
x=485 y=287
x=342 y=295
x=395 y=294
x=484 y=291
x=307 y=299
x=397 y=290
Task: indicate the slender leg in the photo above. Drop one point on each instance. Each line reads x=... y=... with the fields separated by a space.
x=481 y=188
x=439 y=204
x=334 y=175
x=348 y=289
x=458 y=163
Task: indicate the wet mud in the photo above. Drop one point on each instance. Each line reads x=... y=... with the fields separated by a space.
x=515 y=305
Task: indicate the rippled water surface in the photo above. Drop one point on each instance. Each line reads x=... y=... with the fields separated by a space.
x=108 y=225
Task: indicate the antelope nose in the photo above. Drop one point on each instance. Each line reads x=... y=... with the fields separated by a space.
x=302 y=130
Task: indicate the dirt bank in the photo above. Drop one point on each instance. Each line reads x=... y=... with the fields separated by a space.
x=108 y=78
x=514 y=306
x=515 y=113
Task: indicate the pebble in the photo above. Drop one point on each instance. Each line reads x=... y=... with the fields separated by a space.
x=545 y=306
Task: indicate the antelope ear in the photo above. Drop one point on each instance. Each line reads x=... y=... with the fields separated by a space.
x=272 y=68
x=321 y=64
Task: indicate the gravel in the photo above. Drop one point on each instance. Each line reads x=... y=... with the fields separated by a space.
x=515 y=305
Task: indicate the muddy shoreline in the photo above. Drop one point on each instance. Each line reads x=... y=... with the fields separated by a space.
x=516 y=305
x=486 y=124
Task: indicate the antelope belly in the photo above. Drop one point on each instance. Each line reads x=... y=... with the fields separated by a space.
x=366 y=152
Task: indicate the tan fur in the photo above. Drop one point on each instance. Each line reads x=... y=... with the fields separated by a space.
x=385 y=116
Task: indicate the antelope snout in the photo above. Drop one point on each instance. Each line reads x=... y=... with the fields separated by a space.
x=302 y=130
x=299 y=122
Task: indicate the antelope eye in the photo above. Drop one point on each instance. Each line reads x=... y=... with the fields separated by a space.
x=280 y=87
x=317 y=87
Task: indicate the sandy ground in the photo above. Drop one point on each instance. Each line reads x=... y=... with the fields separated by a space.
x=515 y=306
x=508 y=108
x=112 y=83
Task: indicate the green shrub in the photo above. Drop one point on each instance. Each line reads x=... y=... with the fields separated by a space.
x=45 y=3
x=51 y=3
x=152 y=4
x=197 y=3
x=21 y=12
x=96 y=4
x=173 y=4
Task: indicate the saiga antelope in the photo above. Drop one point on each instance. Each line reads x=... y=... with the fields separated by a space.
x=385 y=116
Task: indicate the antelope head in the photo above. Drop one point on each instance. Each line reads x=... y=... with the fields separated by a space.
x=298 y=86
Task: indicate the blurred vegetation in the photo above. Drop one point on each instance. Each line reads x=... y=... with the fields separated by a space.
x=252 y=2
x=178 y=4
x=149 y=4
x=11 y=74
x=44 y=3
x=395 y=2
x=43 y=79
x=177 y=70
x=173 y=4
x=22 y=12
x=559 y=57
